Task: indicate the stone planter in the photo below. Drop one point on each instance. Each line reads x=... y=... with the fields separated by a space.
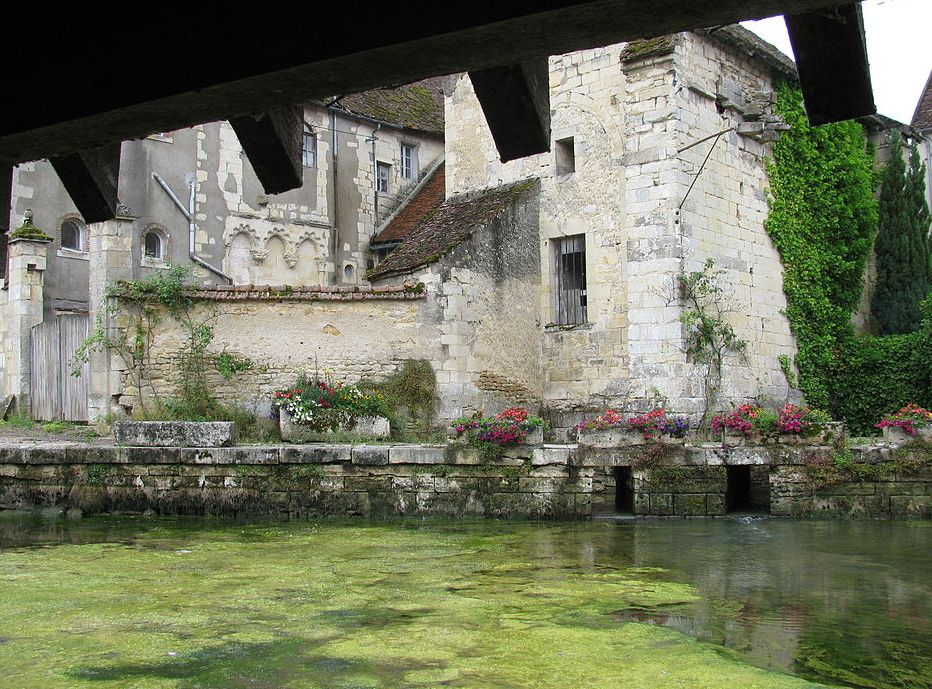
x=610 y=437
x=364 y=428
x=738 y=439
x=829 y=434
x=174 y=433
x=899 y=436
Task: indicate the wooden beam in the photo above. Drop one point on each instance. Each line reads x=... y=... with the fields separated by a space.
x=273 y=143
x=90 y=178
x=213 y=68
x=516 y=102
x=831 y=58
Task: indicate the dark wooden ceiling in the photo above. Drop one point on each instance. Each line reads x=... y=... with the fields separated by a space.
x=82 y=81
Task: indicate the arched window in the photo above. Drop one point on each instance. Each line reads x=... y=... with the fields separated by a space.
x=72 y=235
x=153 y=246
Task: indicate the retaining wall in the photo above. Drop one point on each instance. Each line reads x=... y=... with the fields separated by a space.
x=553 y=481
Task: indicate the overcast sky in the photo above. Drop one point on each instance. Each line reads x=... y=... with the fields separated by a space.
x=899 y=47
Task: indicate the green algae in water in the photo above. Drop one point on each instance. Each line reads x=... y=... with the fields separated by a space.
x=149 y=603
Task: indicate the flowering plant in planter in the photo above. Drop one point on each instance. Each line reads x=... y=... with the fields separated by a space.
x=801 y=420
x=491 y=434
x=791 y=420
x=651 y=425
x=910 y=419
x=741 y=420
x=323 y=406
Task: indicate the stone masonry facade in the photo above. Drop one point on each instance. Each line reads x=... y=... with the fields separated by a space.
x=635 y=120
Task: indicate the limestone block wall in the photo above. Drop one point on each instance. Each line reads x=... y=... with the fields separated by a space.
x=587 y=364
x=724 y=214
x=629 y=120
x=486 y=296
x=343 y=333
x=6 y=344
x=553 y=481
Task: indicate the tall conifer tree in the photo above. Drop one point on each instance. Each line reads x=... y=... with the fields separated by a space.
x=902 y=247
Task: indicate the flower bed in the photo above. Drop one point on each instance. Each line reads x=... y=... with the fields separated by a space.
x=910 y=422
x=494 y=434
x=750 y=425
x=610 y=429
x=319 y=408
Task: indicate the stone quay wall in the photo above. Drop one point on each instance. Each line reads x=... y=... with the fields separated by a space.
x=550 y=481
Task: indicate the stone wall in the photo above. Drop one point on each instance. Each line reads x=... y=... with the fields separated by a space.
x=343 y=334
x=630 y=115
x=471 y=314
x=552 y=481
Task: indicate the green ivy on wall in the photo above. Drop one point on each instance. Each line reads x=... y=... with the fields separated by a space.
x=822 y=220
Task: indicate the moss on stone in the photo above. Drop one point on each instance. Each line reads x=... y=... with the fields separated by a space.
x=642 y=48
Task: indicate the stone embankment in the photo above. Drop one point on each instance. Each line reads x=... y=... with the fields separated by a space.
x=548 y=481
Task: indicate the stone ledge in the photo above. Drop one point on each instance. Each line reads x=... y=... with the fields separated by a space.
x=174 y=433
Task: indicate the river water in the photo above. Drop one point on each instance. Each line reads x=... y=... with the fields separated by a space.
x=138 y=602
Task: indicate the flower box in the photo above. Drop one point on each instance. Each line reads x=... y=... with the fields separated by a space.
x=364 y=427
x=732 y=438
x=892 y=434
x=827 y=434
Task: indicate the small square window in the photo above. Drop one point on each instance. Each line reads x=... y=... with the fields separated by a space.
x=564 y=151
x=382 y=173
x=408 y=161
x=309 y=150
x=570 y=294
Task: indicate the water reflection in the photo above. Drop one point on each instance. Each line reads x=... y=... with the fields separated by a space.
x=841 y=603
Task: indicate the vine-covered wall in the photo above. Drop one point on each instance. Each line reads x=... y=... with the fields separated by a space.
x=822 y=220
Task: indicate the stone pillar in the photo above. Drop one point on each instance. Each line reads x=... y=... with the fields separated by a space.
x=111 y=259
x=28 y=246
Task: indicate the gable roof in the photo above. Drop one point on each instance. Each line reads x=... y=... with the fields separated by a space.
x=402 y=224
x=447 y=226
x=418 y=105
x=922 y=118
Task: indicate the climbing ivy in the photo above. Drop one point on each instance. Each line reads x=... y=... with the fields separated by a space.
x=822 y=221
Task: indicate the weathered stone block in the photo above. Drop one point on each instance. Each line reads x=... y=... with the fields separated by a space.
x=661 y=504
x=80 y=454
x=689 y=505
x=316 y=454
x=417 y=454
x=371 y=427
x=174 y=433
x=715 y=504
x=370 y=455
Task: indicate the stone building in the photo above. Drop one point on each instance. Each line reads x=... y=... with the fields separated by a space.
x=548 y=281
x=192 y=197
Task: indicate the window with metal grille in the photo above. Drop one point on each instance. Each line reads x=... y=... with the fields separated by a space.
x=309 y=150
x=408 y=161
x=381 y=181
x=570 y=279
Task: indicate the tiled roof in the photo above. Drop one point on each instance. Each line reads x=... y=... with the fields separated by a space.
x=427 y=199
x=413 y=106
x=447 y=226
x=922 y=118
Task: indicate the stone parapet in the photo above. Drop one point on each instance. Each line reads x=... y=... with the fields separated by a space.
x=549 y=481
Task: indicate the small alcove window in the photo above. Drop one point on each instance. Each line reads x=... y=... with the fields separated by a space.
x=72 y=235
x=153 y=245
